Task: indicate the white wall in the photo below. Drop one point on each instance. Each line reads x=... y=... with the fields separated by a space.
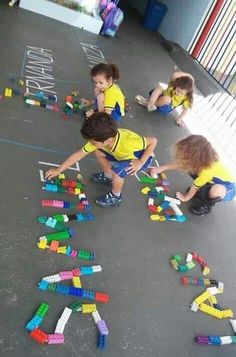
x=181 y=20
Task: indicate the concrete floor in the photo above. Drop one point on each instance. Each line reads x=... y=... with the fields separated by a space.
x=148 y=313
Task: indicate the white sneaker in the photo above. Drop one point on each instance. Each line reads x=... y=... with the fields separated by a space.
x=151 y=107
x=12 y=2
x=141 y=100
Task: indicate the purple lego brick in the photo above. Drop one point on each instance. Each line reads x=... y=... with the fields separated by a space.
x=102 y=327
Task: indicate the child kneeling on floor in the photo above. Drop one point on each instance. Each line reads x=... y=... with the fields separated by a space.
x=128 y=151
x=178 y=93
x=212 y=181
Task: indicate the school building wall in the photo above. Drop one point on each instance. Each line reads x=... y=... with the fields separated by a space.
x=182 y=19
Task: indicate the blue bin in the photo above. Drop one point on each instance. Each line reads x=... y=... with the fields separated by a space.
x=154 y=13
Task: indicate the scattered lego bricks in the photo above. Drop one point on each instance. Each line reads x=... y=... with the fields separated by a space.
x=42 y=101
x=205 y=302
x=183 y=268
x=162 y=207
x=72 y=106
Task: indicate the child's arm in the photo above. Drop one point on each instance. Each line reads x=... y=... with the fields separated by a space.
x=136 y=164
x=162 y=168
x=176 y=75
x=180 y=121
x=71 y=160
x=187 y=196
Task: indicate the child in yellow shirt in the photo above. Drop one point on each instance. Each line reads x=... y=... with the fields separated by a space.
x=178 y=93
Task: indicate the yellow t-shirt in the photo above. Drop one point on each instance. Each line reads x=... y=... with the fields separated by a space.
x=217 y=173
x=126 y=144
x=114 y=98
x=176 y=100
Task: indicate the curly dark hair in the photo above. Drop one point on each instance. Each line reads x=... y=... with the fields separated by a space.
x=99 y=127
x=109 y=71
x=185 y=83
x=194 y=153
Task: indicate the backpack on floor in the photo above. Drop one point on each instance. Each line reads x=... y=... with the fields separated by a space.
x=112 y=17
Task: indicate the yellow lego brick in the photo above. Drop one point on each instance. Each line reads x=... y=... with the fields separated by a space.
x=163 y=176
x=211 y=311
x=162 y=219
x=77 y=191
x=212 y=300
x=174 y=264
x=201 y=298
x=207 y=281
x=76 y=282
x=61 y=176
x=159 y=209
x=88 y=308
x=227 y=313
x=8 y=92
x=37 y=103
x=145 y=190
x=155 y=217
x=62 y=249
x=42 y=244
x=206 y=271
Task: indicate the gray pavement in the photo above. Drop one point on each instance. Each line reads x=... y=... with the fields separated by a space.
x=148 y=313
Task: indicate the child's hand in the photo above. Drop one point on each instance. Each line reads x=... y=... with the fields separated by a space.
x=180 y=123
x=89 y=113
x=135 y=166
x=181 y=196
x=85 y=102
x=155 y=171
x=52 y=173
x=96 y=91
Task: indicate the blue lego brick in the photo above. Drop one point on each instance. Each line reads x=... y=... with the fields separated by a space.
x=214 y=340
x=92 y=256
x=33 y=323
x=88 y=294
x=86 y=270
x=72 y=232
x=75 y=291
x=66 y=204
x=62 y=289
x=101 y=341
x=43 y=284
x=68 y=250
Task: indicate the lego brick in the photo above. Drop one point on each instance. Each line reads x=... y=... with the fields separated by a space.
x=233 y=324
x=225 y=340
x=76 y=306
x=102 y=327
x=101 y=342
x=42 y=309
x=34 y=323
x=39 y=336
x=60 y=326
x=96 y=316
x=227 y=313
x=43 y=285
x=96 y=268
x=211 y=311
x=189 y=258
x=66 y=314
x=88 y=308
x=66 y=275
x=52 y=278
x=203 y=297
x=76 y=282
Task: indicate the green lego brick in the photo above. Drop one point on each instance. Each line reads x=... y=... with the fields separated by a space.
x=177 y=258
x=51 y=287
x=42 y=219
x=191 y=265
x=42 y=310
x=83 y=254
x=76 y=306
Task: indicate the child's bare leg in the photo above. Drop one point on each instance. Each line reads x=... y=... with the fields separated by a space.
x=163 y=100
x=100 y=102
x=217 y=191
x=117 y=184
x=104 y=163
x=155 y=95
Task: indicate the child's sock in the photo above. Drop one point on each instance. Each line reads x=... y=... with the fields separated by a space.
x=108 y=175
x=116 y=193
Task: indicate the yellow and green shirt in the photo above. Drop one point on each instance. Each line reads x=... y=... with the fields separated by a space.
x=114 y=99
x=126 y=144
x=176 y=100
x=216 y=173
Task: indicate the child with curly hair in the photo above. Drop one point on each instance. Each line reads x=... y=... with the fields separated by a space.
x=108 y=95
x=178 y=93
x=212 y=181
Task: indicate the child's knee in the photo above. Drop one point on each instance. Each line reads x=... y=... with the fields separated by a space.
x=217 y=191
x=164 y=100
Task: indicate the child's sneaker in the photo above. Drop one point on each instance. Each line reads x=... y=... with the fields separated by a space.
x=141 y=100
x=100 y=177
x=200 y=209
x=151 y=108
x=108 y=200
x=12 y=2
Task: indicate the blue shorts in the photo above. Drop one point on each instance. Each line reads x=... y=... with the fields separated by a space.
x=164 y=109
x=115 y=114
x=230 y=191
x=119 y=167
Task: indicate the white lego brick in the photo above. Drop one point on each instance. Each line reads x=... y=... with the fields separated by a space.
x=233 y=324
x=173 y=200
x=82 y=195
x=189 y=258
x=225 y=340
x=52 y=278
x=159 y=188
x=150 y=202
x=213 y=291
x=43 y=238
x=194 y=307
x=221 y=286
x=155 y=176
x=96 y=316
x=66 y=219
x=66 y=314
x=176 y=209
x=60 y=326
x=97 y=268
